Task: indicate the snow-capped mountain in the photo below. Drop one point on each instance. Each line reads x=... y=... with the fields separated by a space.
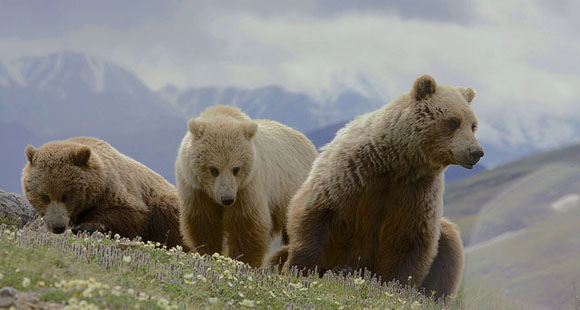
x=71 y=94
x=74 y=94
x=61 y=72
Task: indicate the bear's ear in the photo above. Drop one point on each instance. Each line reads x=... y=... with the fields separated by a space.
x=468 y=93
x=250 y=129
x=30 y=154
x=423 y=87
x=197 y=128
x=81 y=156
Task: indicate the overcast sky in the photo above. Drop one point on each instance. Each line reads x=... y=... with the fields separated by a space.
x=522 y=57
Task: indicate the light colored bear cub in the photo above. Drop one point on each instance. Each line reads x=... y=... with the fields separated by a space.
x=235 y=177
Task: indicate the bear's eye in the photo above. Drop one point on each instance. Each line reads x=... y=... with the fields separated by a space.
x=64 y=198
x=214 y=171
x=474 y=127
x=236 y=170
x=45 y=198
x=453 y=124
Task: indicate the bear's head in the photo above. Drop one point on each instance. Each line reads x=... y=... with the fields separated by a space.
x=60 y=180
x=445 y=121
x=222 y=156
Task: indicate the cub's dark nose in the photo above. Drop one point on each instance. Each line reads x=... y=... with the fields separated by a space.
x=475 y=154
x=58 y=229
x=228 y=200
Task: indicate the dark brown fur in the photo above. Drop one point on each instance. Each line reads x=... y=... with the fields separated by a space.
x=99 y=189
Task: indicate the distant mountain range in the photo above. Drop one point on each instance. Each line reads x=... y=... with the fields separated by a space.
x=72 y=94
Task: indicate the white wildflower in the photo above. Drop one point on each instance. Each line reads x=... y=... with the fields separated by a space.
x=162 y=303
x=296 y=285
x=213 y=300
x=188 y=276
x=248 y=303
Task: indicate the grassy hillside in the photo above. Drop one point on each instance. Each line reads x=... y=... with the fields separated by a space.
x=516 y=240
x=116 y=274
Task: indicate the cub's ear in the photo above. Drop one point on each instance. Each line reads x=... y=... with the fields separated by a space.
x=81 y=156
x=30 y=154
x=250 y=129
x=468 y=93
x=423 y=87
x=197 y=128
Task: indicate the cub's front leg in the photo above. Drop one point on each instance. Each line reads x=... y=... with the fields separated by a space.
x=249 y=228
x=201 y=224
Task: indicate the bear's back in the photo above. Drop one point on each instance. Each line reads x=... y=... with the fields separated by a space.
x=125 y=171
x=286 y=156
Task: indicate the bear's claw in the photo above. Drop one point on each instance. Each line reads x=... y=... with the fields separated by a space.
x=89 y=228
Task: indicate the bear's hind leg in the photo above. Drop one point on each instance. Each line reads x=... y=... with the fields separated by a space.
x=447 y=267
x=279 y=257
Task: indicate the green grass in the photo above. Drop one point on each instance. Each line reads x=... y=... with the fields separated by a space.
x=67 y=270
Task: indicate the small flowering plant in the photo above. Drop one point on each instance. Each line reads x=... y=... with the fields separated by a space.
x=103 y=271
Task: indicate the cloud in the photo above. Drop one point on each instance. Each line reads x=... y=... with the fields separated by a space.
x=519 y=55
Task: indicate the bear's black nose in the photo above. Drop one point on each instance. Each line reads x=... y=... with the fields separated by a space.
x=476 y=155
x=58 y=229
x=228 y=200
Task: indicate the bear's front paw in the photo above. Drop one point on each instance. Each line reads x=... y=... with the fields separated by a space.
x=342 y=270
x=85 y=227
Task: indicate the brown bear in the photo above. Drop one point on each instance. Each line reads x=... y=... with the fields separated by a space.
x=235 y=177
x=374 y=196
x=87 y=185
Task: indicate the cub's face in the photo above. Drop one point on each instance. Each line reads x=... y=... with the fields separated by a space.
x=222 y=158
x=55 y=182
x=447 y=124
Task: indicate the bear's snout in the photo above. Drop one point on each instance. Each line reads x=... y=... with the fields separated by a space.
x=475 y=153
x=228 y=200
x=58 y=229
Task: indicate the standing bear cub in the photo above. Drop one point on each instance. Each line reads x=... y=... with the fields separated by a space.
x=374 y=197
x=235 y=177
x=87 y=185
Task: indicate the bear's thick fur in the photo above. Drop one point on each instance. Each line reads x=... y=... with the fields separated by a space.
x=86 y=184
x=374 y=197
x=235 y=177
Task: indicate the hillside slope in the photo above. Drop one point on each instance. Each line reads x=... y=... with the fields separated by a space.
x=520 y=223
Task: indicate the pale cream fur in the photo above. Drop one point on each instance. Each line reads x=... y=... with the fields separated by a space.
x=273 y=159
